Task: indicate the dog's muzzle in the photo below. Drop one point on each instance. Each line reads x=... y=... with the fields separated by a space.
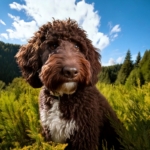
x=67 y=88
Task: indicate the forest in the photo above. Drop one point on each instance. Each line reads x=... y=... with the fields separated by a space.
x=8 y=67
x=126 y=86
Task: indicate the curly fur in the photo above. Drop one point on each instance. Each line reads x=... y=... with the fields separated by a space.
x=63 y=60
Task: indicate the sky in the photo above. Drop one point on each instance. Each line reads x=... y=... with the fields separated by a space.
x=114 y=26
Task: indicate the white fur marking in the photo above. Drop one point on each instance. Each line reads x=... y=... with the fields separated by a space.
x=60 y=129
x=67 y=88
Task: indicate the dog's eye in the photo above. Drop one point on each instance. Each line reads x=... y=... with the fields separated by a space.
x=76 y=47
x=53 y=46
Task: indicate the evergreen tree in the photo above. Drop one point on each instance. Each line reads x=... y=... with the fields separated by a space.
x=104 y=76
x=113 y=71
x=125 y=70
x=141 y=72
x=145 y=66
x=135 y=78
x=109 y=74
x=8 y=66
x=138 y=59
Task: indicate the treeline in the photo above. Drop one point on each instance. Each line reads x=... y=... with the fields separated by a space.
x=8 y=67
x=128 y=73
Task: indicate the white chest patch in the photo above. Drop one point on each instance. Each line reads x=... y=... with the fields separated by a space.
x=60 y=129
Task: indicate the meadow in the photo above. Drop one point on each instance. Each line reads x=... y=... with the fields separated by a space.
x=20 y=125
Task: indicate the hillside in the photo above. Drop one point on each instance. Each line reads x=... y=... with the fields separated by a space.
x=8 y=67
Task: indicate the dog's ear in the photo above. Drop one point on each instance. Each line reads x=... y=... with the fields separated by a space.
x=94 y=58
x=28 y=59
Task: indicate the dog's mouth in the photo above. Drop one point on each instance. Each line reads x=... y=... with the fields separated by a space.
x=67 y=88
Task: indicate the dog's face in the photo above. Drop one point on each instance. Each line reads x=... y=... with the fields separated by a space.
x=64 y=66
x=61 y=57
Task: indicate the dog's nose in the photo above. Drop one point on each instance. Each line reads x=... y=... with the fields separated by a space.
x=70 y=72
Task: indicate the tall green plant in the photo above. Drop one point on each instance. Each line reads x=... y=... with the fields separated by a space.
x=19 y=119
x=20 y=125
x=132 y=106
x=125 y=70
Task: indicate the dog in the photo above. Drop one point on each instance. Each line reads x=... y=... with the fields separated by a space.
x=63 y=61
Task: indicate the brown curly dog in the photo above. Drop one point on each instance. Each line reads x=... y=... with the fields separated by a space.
x=63 y=60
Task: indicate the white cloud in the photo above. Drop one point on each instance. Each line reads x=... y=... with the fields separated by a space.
x=21 y=30
x=16 y=6
x=4 y=35
x=112 y=61
x=42 y=12
x=120 y=60
x=115 y=29
x=115 y=35
x=15 y=18
x=2 y=22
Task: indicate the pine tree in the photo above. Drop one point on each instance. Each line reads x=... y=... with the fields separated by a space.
x=138 y=59
x=135 y=78
x=125 y=70
x=145 y=66
x=8 y=67
x=104 y=76
x=109 y=74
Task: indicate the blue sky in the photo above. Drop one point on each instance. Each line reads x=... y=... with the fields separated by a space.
x=114 y=26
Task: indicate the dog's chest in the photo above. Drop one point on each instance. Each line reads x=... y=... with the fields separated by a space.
x=60 y=129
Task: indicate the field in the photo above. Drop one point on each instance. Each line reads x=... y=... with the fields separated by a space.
x=20 y=126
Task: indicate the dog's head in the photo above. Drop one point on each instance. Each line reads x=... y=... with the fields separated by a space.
x=59 y=56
